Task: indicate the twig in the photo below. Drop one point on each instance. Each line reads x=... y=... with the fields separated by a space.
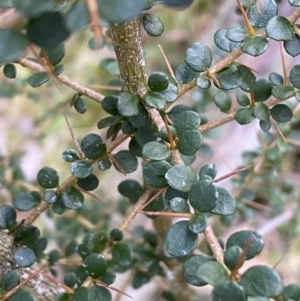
x=167 y=214
x=167 y=61
x=214 y=244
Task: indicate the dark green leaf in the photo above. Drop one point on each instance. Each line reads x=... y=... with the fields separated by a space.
x=92 y=146
x=203 y=196
x=225 y=204
x=99 y=293
x=121 y=254
x=262 y=90
x=294 y=2
x=77 y=16
x=127 y=127
x=70 y=279
x=80 y=105
x=119 y=11
x=236 y=34
x=223 y=43
x=156 y=151
x=259 y=14
x=223 y=101
x=104 y=164
x=203 y=82
x=198 y=57
x=38 y=79
x=185 y=74
x=158 y=81
x=95 y=265
x=292 y=47
x=212 y=272
x=81 y=293
x=248 y=78
x=243 y=100
x=139 y=120
x=23 y=201
x=246 y=239
x=48 y=30
x=81 y=169
x=276 y=79
x=58 y=70
x=27 y=235
x=187 y=120
x=23 y=257
x=58 y=206
x=89 y=183
x=232 y=257
x=13 y=45
x=255 y=46
x=153 y=25
x=181 y=177
x=155 y=100
x=34 y=8
x=70 y=155
x=171 y=93
x=109 y=104
x=189 y=142
x=291 y=292
x=172 y=193
x=128 y=104
x=96 y=241
x=178 y=204
x=281 y=113
x=8 y=217
x=282 y=92
x=244 y=116
x=261 y=111
x=56 y=54
x=197 y=223
x=108 y=121
x=191 y=267
x=116 y=234
x=261 y=281
x=280 y=29
x=127 y=161
x=265 y=125
x=229 y=78
x=83 y=251
x=10 y=70
x=210 y=170
x=228 y=291
x=295 y=76
x=72 y=198
x=180 y=240
x=109 y=277
x=21 y=295
x=10 y=280
x=154 y=173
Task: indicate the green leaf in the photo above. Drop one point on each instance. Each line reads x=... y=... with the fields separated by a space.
x=96 y=241
x=156 y=151
x=116 y=234
x=181 y=177
x=81 y=169
x=276 y=79
x=295 y=76
x=89 y=183
x=229 y=78
x=254 y=46
x=58 y=70
x=77 y=16
x=104 y=164
x=280 y=29
x=109 y=277
x=48 y=30
x=180 y=240
x=70 y=279
x=262 y=90
x=248 y=78
x=95 y=265
x=223 y=43
x=58 y=206
x=246 y=239
x=236 y=34
x=80 y=105
x=291 y=292
x=93 y=146
x=228 y=291
x=81 y=293
x=281 y=113
x=99 y=293
x=243 y=100
x=198 y=57
x=10 y=70
x=203 y=82
x=223 y=101
x=121 y=254
x=127 y=161
x=128 y=104
x=185 y=74
x=38 y=79
x=259 y=14
x=109 y=104
x=171 y=93
x=204 y=195
x=155 y=101
x=13 y=45
x=56 y=54
x=187 y=120
x=261 y=281
x=23 y=257
x=189 y=142
x=108 y=121
x=210 y=170
x=153 y=25
x=225 y=204
x=72 y=198
x=282 y=92
x=173 y=193
x=34 y=8
x=232 y=256
x=292 y=47
x=27 y=235
x=70 y=155
x=10 y=280
x=158 y=81
x=244 y=116
x=212 y=272
x=154 y=173
x=261 y=111
x=178 y=204
x=21 y=295
x=265 y=125
x=8 y=217
x=294 y=2
x=131 y=189
x=119 y=11
x=197 y=223
x=23 y=201
x=191 y=267
x=139 y=120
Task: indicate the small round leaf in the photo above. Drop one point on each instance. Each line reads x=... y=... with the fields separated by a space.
x=280 y=29
x=212 y=272
x=153 y=25
x=21 y=295
x=23 y=257
x=281 y=113
x=92 y=146
x=154 y=173
x=23 y=201
x=197 y=223
x=127 y=161
x=8 y=217
x=156 y=151
x=131 y=189
x=261 y=111
x=187 y=120
x=96 y=241
x=189 y=142
x=198 y=57
x=223 y=101
x=89 y=183
x=38 y=79
x=99 y=293
x=48 y=177
x=10 y=70
x=232 y=256
x=210 y=170
x=72 y=198
x=255 y=46
x=228 y=291
x=27 y=235
x=244 y=116
x=225 y=204
x=128 y=104
x=158 y=81
x=10 y=280
x=70 y=155
x=81 y=169
x=121 y=254
x=155 y=101
x=95 y=265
